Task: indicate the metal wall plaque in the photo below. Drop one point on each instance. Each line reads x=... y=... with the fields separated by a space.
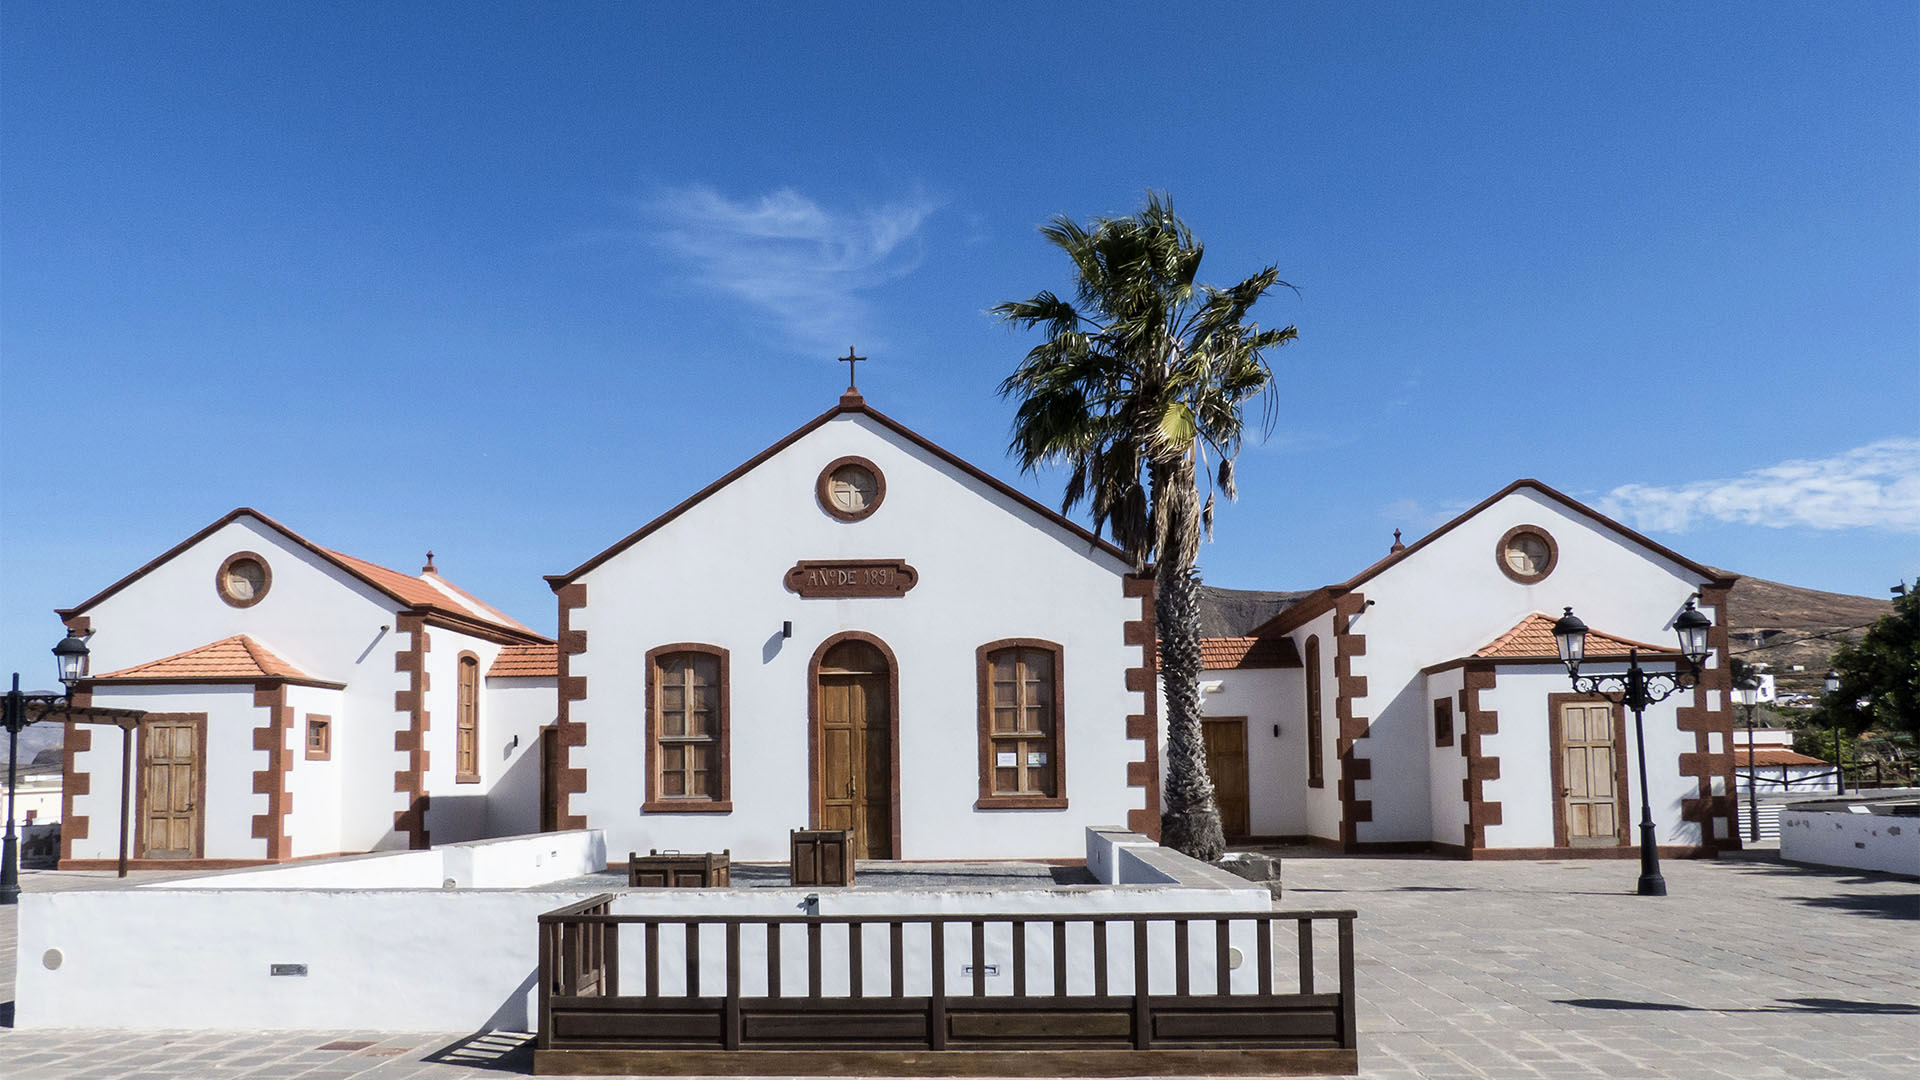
x=286 y=969
x=851 y=577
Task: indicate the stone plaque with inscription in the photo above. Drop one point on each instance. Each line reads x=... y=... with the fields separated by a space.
x=851 y=577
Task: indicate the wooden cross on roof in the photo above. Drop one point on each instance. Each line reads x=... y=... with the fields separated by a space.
x=852 y=395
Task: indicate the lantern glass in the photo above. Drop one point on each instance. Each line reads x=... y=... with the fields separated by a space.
x=71 y=654
x=1570 y=637
x=1833 y=682
x=1692 y=627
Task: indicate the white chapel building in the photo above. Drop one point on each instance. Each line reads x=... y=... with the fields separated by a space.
x=856 y=629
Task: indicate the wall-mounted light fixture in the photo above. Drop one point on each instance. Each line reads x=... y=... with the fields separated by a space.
x=786 y=629
x=1276 y=731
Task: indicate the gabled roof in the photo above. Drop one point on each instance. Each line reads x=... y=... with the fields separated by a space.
x=1246 y=653
x=526 y=662
x=1321 y=599
x=1532 y=639
x=235 y=659
x=849 y=404
x=427 y=593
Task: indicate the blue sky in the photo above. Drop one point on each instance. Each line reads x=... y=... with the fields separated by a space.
x=506 y=281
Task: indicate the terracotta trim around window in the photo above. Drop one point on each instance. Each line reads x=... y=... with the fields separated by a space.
x=266 y=579
x=466 y=727
x=1057 y=741
x=721 y=801
x=1553 y=554
x=320 y=749
x=823 y=488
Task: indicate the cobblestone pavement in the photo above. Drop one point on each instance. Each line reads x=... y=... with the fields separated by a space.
x=1496 y=971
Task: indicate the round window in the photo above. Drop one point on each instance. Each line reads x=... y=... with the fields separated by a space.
x=1527 y=553
x=851 y=488
x=243 y=580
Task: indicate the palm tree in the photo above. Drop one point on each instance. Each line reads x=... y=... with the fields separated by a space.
x=1142 y=377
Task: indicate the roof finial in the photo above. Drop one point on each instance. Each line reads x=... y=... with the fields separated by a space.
x=429 y=568
x=1397 y=545
x=852 y=395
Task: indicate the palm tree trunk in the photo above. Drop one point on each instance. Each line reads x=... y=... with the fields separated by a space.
x=1190 y=819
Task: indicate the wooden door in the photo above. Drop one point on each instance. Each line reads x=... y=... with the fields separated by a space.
x=1589 y=791
x=550 y=778
x=170 y=789
x=856 y=747
x=1226 y=743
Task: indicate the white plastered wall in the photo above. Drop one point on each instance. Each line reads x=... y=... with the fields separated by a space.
x=514 y=711
x=1450 y=598
x=1276 y=767
x=1524 y=745
x=231 y=760
x=456 y=811
x=1322 y=803
x=314 y=811
x=1447 y=765
x=988 y=569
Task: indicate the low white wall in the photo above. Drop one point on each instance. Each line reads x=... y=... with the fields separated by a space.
x=382 y=960
x=1860 y=841
x=514 y=862
x=464 y=959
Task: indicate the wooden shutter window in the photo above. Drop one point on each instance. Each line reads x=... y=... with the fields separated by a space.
x=1316 y=738
x=1442 y=722
x=467 y=744
x=1022 y=759
x=687 y=736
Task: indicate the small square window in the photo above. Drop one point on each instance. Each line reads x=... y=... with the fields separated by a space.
x=319 y=738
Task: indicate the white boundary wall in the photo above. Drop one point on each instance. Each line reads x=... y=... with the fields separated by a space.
x=1831 y=835
x=429 y=958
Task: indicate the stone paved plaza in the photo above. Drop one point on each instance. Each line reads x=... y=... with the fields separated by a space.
x=1500 y=971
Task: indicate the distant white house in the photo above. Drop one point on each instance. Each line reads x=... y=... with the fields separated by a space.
x=1421 y=704
x=301 y=702
x=1775 y=767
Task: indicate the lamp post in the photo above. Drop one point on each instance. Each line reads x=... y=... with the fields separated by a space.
x=1637 y=689
x=72 y=656
x=1832 y=687
x=1747 y=693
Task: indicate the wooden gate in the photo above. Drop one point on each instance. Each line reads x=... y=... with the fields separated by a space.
x=1113 y=994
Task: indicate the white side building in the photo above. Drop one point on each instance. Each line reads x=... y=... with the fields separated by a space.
x=1429 y=710
x=300 y=703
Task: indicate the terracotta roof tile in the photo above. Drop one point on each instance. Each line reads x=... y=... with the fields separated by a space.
x=1774 y=755
x=1532 y=638
x=237 y=657
x=1231 y=653
x=429 y=591
x=526 y=662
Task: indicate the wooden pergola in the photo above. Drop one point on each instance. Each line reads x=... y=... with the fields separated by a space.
x=124 y=719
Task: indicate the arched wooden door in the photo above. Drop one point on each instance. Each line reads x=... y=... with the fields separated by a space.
x=855 y=759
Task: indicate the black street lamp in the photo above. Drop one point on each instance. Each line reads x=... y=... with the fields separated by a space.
x=72 y=656
x=1747 y=692
x=1636 y=690
x=1832 y=686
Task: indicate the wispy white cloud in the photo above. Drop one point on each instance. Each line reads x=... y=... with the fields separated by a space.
x=1416 y=519
x=1873 y=486
x=804 y=266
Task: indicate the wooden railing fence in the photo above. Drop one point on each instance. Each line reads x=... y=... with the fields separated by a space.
x=1036 y=994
